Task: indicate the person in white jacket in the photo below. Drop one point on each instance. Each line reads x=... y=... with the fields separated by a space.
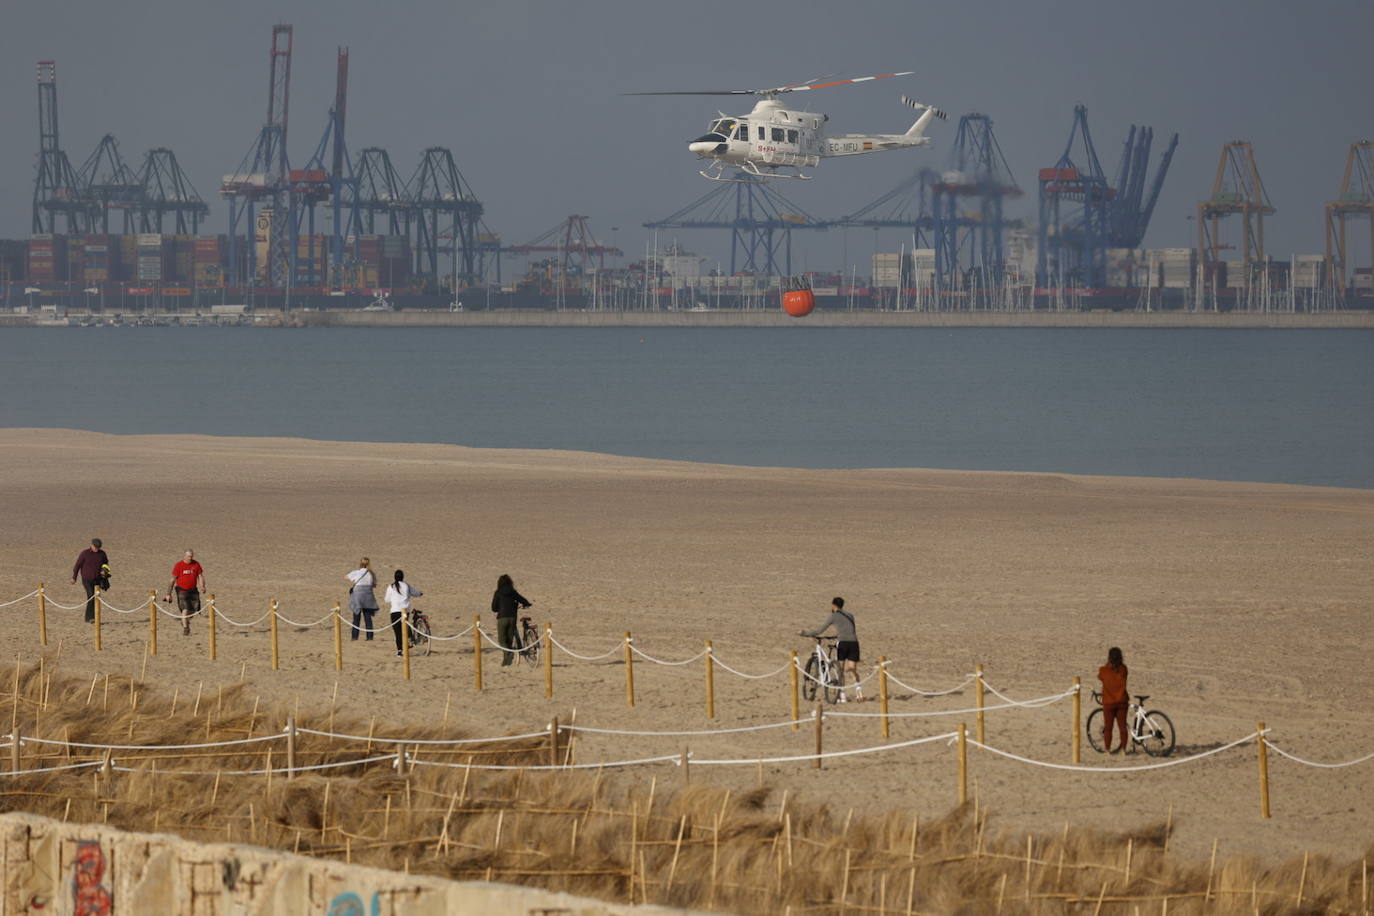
x=397 y=598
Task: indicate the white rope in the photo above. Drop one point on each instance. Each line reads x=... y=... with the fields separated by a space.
x=709 y=731
x=25 y=739
x=69 y=766
x=1033 y=704
x=383 y=740
x=17 y=600
x=303 y=626
x=862 y=750
x=1030 y=703
x=752 y=677
x=263 y=772
x=1088 y=769
x=105 y=605
x=176 y=614
x=573 y=766
x=590 y=658
x=1313 y=763
x=68 y=607
x=659 y=661
x=930 y=693
x=229 y=620
x=459 y=635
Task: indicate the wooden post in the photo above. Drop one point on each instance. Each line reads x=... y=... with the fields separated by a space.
x=686 y=776
x=553 y=742
x=338 y=637
x=405 y=643
x=978 y=693
x=14 y=751
x=548 y=661
x=290 y=747
x=710 y=682
x=1077 y=719
x=272 y=623
x=819 y=715
x=98 y=602
x=477 y=652
x=42 y=615
x=796 y=693
x=882 y=694
x=1263 y=771
x=629 y=672
x=213 y=626
x=963 y=763
x=152 y=622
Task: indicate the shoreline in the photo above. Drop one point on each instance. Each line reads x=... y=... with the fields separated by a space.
x=419 y=318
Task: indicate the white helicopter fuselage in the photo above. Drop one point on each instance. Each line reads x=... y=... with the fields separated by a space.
x=773 y=136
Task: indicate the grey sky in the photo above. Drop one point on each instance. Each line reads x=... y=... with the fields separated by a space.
x=527 y=94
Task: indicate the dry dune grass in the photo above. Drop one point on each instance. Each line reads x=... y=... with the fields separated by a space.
x=607 y=834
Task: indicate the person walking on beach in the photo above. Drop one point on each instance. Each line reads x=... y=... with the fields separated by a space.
x=1114 y=699
x=506 y=602
x=362 y=600
x=847 y=646
x=397 y=597
x=88 y=568
x=188 y=578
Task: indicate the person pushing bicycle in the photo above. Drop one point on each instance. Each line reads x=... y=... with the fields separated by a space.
x=847 y=647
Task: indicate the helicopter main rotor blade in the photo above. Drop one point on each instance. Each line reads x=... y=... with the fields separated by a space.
x=702 y=92
x=799 y=87
x=802 y=87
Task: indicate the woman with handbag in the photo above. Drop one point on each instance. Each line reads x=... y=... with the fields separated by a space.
x=362 y=600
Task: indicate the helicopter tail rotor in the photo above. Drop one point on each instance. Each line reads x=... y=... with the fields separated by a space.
x=922 y=106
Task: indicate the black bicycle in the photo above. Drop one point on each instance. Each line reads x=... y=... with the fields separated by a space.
x=419 y=632
x=527 y=641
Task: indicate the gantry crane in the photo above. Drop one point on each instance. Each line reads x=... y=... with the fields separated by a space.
x=57 y=188
x=1237 y=190
x=1355 y=200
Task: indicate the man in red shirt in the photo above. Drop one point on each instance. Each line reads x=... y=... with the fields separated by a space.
x=188 y=578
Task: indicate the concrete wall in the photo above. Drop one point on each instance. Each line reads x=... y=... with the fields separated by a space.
x=50 y=867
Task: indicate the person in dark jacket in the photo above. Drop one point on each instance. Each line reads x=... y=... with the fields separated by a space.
x=846 y=647
x=88 y=568
x=505 y=603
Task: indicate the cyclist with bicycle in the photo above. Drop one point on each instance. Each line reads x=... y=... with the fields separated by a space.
x=1114 y=699
x=506 y=603
x=847 y=647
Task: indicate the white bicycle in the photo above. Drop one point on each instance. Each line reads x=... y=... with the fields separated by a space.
x=823 y=671
x=1150 y=729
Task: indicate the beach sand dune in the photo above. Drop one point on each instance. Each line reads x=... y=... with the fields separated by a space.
x=1233 y=602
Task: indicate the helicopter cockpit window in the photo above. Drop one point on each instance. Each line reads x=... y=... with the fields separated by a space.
x=724 y=127
x=742 y=132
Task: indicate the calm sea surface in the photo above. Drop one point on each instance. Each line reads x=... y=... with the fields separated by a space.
x=1284 y=406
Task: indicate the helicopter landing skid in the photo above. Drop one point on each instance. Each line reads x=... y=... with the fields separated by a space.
x=714 y=172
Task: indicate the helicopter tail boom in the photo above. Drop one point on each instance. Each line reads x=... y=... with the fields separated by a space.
x=928 y=112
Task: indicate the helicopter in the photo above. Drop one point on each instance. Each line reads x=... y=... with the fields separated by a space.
x=774 y=141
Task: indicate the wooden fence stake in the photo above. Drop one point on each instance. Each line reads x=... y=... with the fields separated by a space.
x=629 y=672
x=1077 y=720
x=272 y=622
x=710 y=682
x=981 y=730
x=290 y=747
x=405 y=643
x=213 y=627
x=548 y=661
x=796 y=692
x=477 y=652
x=338 y=637
x=1263 y=771
x=553 y=742
x=819 y=716
x=98 y=602
x=686 y=777
x=963 y=763
x=882 y=695
x=42 y=615
x=14 y=751
x=152 y=622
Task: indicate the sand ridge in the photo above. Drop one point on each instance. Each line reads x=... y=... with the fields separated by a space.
x=1234 y=602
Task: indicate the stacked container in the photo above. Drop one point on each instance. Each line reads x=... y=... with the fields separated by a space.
x=207 y=260
x=1309 y=271
x=1126 y=268
x=1172 y=268
x=47 y=258
x=98 y=261
x=887 y=271
x=923 y=268
x=151 y=263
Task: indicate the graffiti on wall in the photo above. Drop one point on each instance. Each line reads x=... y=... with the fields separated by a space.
x=90 y=896
x=350 y=904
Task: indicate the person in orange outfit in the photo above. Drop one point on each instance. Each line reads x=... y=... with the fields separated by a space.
x=1114 y=698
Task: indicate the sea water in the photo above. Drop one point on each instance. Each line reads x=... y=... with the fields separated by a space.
x=1292 y=406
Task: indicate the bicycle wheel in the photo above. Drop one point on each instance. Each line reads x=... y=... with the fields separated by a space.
x=419 y=635
x=1094 y=729
x=529 y=638
x=1157 y=734
x=810 y=681
x=832 y=682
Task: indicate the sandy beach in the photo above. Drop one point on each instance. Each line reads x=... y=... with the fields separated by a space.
x=1234 y=603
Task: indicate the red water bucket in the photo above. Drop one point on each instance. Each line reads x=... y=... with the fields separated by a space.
x=798 y=302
